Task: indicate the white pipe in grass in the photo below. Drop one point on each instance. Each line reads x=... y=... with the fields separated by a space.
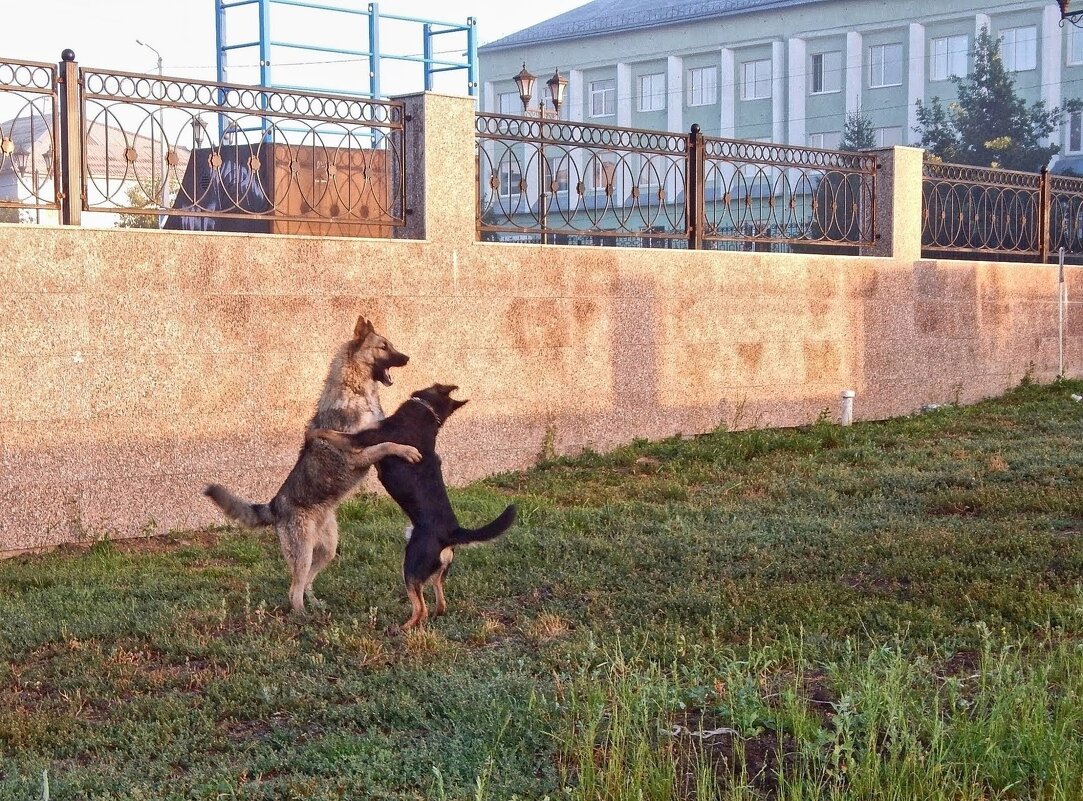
x=847 y=416
x=1062 y=304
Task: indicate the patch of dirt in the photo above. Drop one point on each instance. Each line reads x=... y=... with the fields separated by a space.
x=760 y=761
x=961 y=663
x=240 y=731
x=955 y=509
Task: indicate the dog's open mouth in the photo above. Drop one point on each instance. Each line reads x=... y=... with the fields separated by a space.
x=383 y=375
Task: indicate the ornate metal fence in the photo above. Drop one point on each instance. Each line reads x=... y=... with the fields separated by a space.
x=563 y=182
x=983 y=210
x=175 y=153
x=757 y=192
x=1065 y=214
x=570 y=183
x=29 y=121
x=241 y=152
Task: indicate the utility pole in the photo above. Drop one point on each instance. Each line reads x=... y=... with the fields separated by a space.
x=153 y=161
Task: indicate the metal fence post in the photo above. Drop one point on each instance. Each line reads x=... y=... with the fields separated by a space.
x=71 y=140
x=693 y=190
x=1043 y=216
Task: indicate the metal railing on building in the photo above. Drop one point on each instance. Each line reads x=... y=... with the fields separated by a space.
x=560 y=182
x=199 y=155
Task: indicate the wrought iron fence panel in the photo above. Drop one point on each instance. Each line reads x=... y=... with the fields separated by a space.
x=574 y=183
x=1066 y=213
x=981 y=210
x=185 y=150
x=29 y=125
x=761 y=192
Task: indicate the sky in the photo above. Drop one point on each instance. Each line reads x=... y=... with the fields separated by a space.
x=103 y=34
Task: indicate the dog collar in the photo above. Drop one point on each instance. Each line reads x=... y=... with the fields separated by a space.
x=428 y=406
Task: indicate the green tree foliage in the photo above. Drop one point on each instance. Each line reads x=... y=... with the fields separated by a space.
x=989 y=124
x=140 y=196
x=857 y=133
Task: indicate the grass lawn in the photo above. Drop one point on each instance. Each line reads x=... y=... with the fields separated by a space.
x=892 y=610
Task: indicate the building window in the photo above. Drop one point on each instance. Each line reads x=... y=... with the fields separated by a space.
x=509 y=176
x=828 y=141
x=948 y=57
x=652 y=92
x=603 y=98
x=509 y=103
x=826 y=71
x=1075 y=132
x=885 y=65
x=756 y=80
x=1019 y=48
x=558 y=175
x=604 y=171
x=888 y=137
x=702 y=86
x=1075 y=45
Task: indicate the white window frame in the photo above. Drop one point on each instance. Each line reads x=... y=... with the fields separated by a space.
x=881 y=139
x=1074 y=54
x=880 y=81
x=820 y=68
x=828 y=140
x=943 y=51
x=652 y=92
x=603 y=96
x=604 y=171
x=702 y=86
x=1074 y=130
x=508 y=167
x=752 y=82
x=512 y=100
x=1012 y=46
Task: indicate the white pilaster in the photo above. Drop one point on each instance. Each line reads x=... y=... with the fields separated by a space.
x=1051 y=58
x=981 y=21
x=854 y=73
x=727 y=93
x=778 y=92
x=576 y=96
x=797 y=91
x=625 y=93
x=915 y=85
x=675 y=94
x=488 y=98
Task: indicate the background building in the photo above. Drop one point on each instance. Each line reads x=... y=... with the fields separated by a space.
x=786 y=71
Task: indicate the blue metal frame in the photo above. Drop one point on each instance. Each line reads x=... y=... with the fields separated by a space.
x=430 y=29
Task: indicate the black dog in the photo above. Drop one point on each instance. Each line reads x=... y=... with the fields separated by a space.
x=420 y=490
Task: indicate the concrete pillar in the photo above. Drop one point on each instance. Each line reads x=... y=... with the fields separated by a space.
x=797 y=91
x=1051 y=59
x=727 y=93
x=488 y=98
x=675 y=94
x=915 y=82
x=625 y=94
x=576 y=96
x=897 y=205
x=854 y=72
x=440 y=157
x=778 y=92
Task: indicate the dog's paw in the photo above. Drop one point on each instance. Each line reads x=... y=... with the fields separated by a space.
x=410 y=454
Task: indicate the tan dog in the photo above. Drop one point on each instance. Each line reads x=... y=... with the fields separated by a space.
x=303 y=510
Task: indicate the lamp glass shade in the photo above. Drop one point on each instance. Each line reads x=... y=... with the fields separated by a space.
x=524 y=82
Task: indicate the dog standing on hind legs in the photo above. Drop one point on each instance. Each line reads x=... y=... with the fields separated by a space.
x=303 y=510
x=419 y=489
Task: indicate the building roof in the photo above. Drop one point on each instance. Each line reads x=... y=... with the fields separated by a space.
x=608 y=16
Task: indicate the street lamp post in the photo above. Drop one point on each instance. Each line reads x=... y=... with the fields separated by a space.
x=153 y=161
x=557 y=85
x=1074 y=17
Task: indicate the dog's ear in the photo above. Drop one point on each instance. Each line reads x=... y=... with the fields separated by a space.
x=363 y=328
x=457 y=404
x=444 y=389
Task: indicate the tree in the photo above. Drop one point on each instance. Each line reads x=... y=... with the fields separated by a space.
x=857 y=133
x=989 y=124
x=10 y=215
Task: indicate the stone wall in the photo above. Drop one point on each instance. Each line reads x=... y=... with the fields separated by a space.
x=139 y=365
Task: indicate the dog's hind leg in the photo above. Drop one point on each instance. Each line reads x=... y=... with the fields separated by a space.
x=298 y=538
x=419 y=613
x=446 y=556
x=323 y=553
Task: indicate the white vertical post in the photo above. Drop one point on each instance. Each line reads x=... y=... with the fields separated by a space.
x=778 y=92
x=854 y=73
x=625 y=94
x=797 y=91
x=847 y=416
x=488 y=98
x=675 y=94
x=1051 y=59
x=576 y=100
x=727 y=85
x=916 y=78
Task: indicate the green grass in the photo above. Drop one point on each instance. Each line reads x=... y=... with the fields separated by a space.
x=892 y=610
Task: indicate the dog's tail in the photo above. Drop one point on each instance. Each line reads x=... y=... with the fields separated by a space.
x=250 y=514
x=465 y=536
